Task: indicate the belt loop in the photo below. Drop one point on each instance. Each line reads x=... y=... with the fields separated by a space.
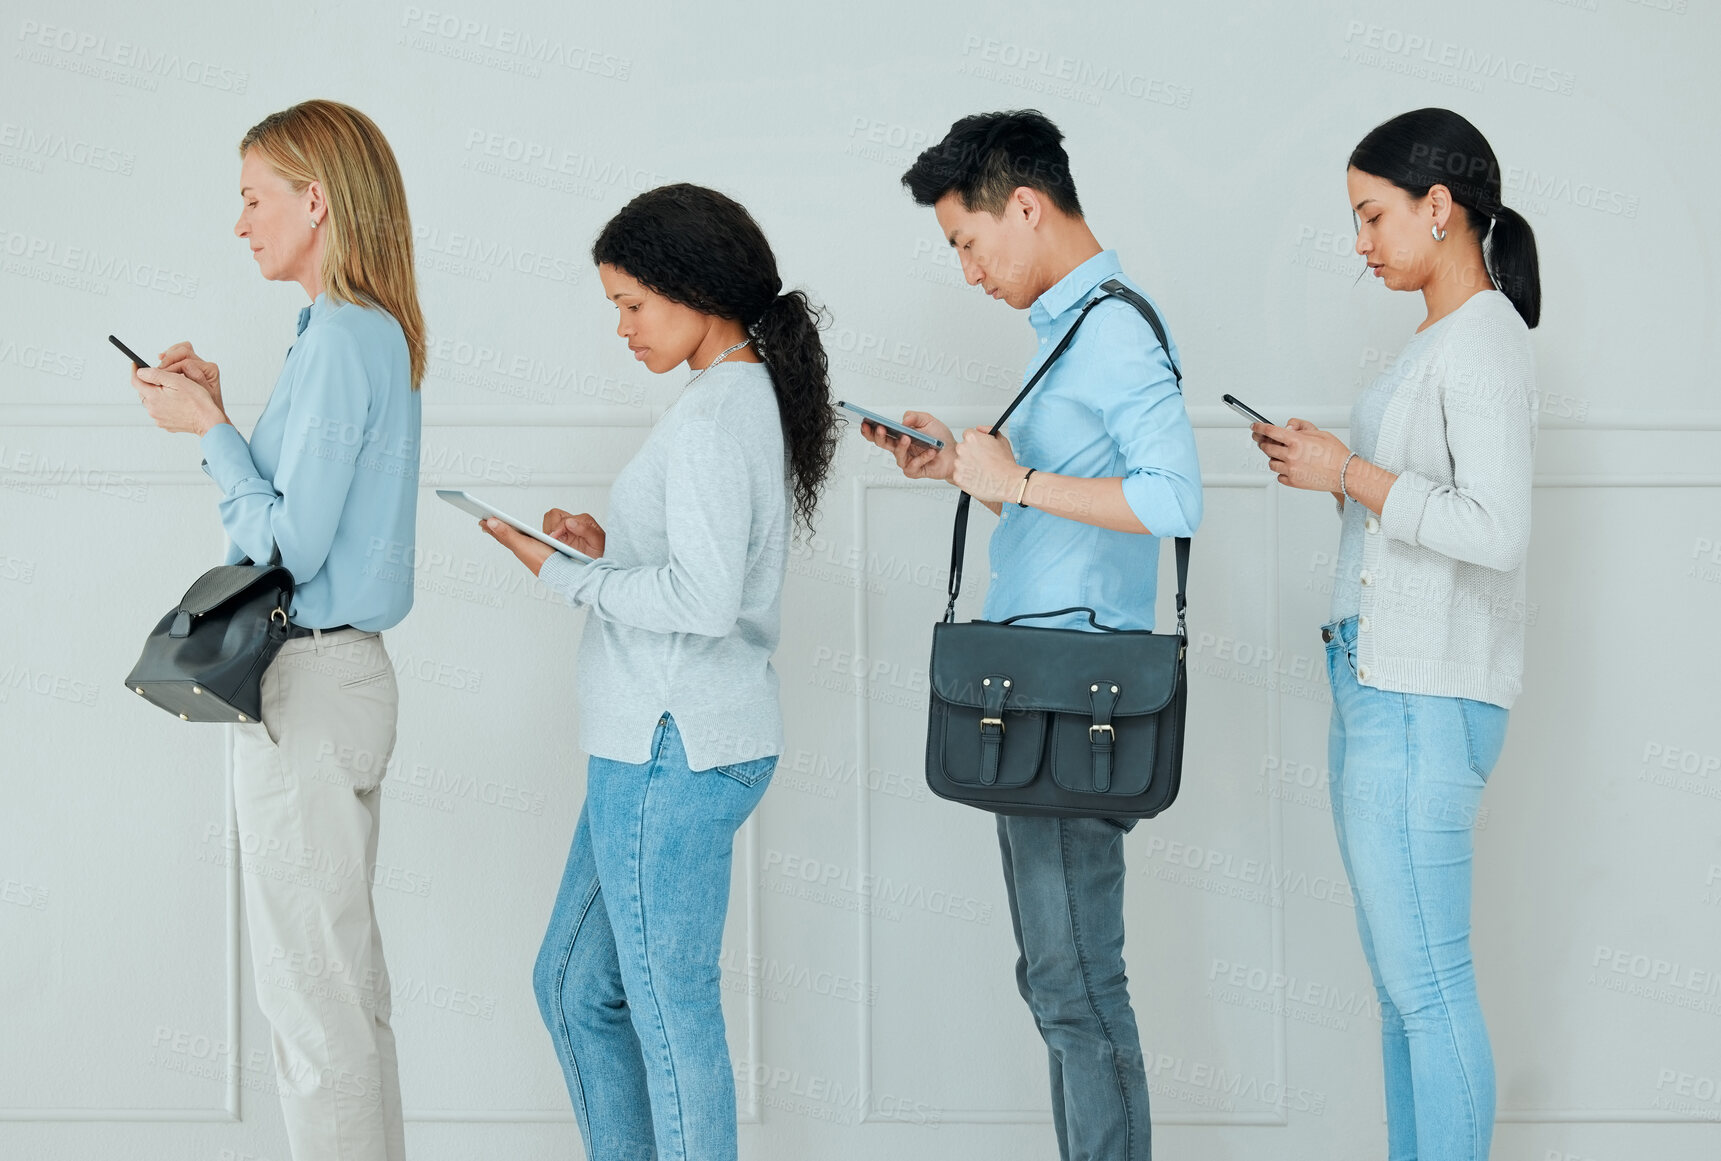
x=659 y=736
x=317 y=636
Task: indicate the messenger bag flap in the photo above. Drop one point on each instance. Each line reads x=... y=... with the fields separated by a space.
x=1051 y=670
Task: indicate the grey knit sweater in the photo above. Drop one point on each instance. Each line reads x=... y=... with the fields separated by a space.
x=1443 y=604
x=686 y=600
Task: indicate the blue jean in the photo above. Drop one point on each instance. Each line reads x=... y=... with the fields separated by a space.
x=1064 y=878
x=1407 y=773
x=628 y=979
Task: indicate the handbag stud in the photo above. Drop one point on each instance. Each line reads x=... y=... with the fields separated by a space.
x=243 y=718
x=140 y=691
x=184 y=718
x=197 y=689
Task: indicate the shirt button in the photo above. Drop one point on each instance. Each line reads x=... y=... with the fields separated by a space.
x=1365 y=577
x=1362 y=673
x=1371 y=524
x=994 y=576
x=1361 y=622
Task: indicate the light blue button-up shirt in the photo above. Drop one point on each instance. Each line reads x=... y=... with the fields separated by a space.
x=331 y=470
x=1109 y=406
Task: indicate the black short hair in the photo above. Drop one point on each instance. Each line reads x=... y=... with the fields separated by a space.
x=986 y=156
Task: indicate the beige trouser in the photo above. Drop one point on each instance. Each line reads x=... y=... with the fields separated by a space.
x=307 y=798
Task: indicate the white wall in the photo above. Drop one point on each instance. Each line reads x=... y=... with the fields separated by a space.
x=884 y=1021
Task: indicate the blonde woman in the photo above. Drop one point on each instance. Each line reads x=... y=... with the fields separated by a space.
x=330 y=473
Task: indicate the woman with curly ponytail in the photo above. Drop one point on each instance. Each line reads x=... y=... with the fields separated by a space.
x=787 y=332
x=678 y=699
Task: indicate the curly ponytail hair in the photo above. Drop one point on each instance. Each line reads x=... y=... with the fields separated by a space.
x=704 y=250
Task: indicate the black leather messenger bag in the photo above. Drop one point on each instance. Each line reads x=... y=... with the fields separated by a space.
x=204 y=662
x=1033 y=720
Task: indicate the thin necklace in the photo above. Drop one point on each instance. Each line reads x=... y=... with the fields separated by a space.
x=706 y=368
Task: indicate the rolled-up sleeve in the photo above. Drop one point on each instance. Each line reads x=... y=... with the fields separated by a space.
x=709 y=518
x=327 y=405
x=1138 y=400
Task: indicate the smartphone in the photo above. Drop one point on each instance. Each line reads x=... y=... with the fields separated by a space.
x=1247 y=412
x=128 y=352
x=890 y=425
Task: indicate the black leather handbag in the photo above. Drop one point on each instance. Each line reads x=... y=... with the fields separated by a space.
x=204 y=662
x=1027 y=719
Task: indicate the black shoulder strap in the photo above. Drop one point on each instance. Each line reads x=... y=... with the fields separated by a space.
x=274 y=555
x=1111 y=288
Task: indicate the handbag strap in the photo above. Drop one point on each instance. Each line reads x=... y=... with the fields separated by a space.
x=1093 y=618
x=274 y=555
x=1111 y=288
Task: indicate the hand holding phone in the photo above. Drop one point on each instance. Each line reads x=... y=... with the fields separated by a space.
x=182 y=358
x=178 y=397
x=921 y=439
x=922 y=446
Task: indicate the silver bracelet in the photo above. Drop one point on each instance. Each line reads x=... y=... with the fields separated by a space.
x=1343 y=468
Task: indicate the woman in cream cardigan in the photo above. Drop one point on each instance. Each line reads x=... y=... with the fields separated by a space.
x=1425 y=643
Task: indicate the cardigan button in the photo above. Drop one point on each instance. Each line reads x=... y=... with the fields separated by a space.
x=1365 y=577
x=1371 y=524
x=1362 y=623
x=1362 y=673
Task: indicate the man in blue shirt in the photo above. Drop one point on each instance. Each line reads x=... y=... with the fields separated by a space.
x=1101 y=465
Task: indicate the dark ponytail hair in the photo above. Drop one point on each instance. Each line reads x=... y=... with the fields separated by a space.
x=1419 y=150
x=704 y=250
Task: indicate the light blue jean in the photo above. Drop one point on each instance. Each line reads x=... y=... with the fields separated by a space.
x=1407 y=773
x=628 y=979
x=1064 y=878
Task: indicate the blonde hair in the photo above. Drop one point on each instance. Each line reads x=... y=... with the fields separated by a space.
x=367 y=236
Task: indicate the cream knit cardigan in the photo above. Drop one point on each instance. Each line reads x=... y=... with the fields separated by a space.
x=1443 y=598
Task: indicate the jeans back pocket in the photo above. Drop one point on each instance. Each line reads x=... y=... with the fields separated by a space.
x=750 y=773
x=1484 y=733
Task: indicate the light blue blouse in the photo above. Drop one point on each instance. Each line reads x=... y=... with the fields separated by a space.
x=330 y=473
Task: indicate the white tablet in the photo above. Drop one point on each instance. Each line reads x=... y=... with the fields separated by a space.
x=467 y=502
